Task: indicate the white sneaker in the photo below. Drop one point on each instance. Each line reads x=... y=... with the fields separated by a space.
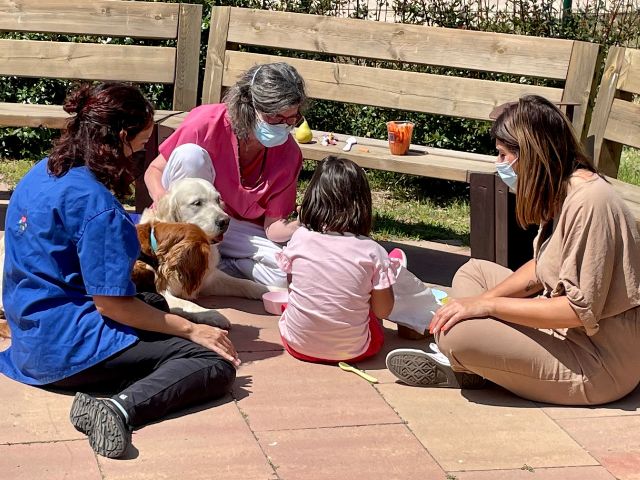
x=425 y=369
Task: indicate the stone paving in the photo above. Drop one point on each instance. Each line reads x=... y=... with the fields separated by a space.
x=287 y=419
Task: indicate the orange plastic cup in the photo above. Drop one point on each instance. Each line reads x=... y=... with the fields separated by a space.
x=399 y=136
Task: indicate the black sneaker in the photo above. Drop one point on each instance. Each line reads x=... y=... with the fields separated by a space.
x=424 y=369
x=108 y=434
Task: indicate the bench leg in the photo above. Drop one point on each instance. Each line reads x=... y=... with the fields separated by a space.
x=495 y=234
x=143 y=199
x=514 y=245
x=483 y=241
x=158 y=135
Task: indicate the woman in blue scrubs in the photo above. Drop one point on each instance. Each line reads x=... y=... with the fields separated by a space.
x=75 y=318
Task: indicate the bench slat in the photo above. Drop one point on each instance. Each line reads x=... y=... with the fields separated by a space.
x=629 y=80
x=83 y=61
x=420 y=160
x=185 y=92
x=96 y=17
x=413 y=91
x=484 y=51
x=53 y=116
x=623 y=125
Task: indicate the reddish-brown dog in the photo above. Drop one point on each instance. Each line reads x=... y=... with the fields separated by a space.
x=178 y=260
x=176 y=265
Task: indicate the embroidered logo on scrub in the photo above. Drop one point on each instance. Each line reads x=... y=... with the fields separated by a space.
x=22 y=224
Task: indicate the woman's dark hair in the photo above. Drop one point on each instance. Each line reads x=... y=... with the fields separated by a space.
x=338 y=198
x=92 y=135
x=548 y=152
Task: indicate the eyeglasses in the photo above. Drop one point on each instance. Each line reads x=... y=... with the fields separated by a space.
x=291 y=120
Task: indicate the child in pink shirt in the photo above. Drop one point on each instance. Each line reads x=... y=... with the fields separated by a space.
x=340 y=279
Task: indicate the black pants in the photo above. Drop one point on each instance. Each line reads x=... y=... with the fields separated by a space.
x=157 y=375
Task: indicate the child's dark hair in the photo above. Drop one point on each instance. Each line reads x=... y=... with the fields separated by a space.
x=338 y=199
x=92 y=136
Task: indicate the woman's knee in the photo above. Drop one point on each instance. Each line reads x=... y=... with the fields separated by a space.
x=456 y=343
x=220 y=379
x=465 y=274
x=188 y=161
x=476 y=277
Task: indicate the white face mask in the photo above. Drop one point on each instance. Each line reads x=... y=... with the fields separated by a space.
x=507 y=173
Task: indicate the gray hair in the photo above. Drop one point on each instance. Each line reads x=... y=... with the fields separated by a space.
x=270 y=88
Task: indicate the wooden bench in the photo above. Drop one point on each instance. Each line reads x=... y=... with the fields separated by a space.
x=331 y=73
x=616 y=119
x=93 y=58
x=89 y=57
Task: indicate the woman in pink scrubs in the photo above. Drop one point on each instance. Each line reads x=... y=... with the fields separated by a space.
x=244 y=147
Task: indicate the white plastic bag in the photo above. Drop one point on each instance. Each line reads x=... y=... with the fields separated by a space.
x=414 y=302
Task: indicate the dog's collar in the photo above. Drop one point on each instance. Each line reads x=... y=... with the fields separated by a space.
x=152 y=241
x=151 y=260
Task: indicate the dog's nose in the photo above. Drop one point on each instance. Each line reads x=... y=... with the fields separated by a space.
x=222 y=224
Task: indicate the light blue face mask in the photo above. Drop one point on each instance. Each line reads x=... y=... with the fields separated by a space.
x=508 y=174
x=271 y=135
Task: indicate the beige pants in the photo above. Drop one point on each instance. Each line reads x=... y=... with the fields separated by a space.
x=556 y=366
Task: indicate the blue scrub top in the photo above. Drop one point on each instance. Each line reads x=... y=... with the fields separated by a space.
x=66 y=239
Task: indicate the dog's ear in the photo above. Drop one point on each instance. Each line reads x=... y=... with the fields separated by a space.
x=167 y=208
x=183 y=255
x=144 y=234
x=174 y=206
x=144 y=278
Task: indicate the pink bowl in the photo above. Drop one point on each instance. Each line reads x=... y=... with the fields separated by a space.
x=275 y=302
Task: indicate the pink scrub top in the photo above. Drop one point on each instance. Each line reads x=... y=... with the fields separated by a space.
x=274 y=195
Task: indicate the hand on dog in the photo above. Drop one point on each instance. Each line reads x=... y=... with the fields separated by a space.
x=215 y=339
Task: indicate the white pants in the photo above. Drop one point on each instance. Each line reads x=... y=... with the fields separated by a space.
x=414 y=303
x=246 y=251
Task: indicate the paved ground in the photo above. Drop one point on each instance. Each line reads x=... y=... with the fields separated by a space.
x=292 y=420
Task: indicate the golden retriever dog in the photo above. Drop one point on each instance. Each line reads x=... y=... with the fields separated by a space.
x=176 y=260
x=194 y=200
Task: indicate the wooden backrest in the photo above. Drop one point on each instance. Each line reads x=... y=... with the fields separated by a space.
x=616 y=118
x=571 y=63
x=100 y=60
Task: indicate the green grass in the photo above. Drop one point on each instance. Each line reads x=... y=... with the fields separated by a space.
x=630 y=166
x=11 y=171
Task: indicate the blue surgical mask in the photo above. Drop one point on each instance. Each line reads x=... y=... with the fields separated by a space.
x=271 y=135
x=507 y=174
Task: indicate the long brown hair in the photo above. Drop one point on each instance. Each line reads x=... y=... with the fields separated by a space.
x=548 y=154
x=338 y=198
x=92 y=135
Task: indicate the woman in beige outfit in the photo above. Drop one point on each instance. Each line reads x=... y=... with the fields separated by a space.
x=565 y=327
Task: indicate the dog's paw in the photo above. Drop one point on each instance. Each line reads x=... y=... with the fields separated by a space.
x=213 y=318
x=256 y=290
x=206 y=317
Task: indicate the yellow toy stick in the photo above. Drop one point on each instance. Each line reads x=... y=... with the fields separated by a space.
x=348 y=368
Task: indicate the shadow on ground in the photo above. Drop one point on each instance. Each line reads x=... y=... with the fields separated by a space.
x=430 y=265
